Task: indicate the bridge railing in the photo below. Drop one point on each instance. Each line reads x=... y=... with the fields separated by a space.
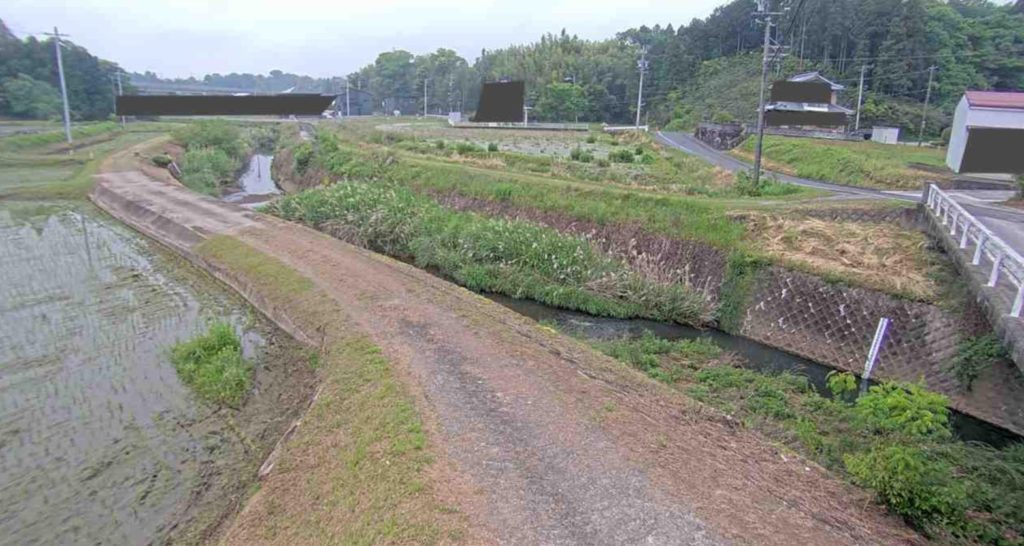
x=1005 y=262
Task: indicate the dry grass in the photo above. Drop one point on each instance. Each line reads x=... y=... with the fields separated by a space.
x=877 y=255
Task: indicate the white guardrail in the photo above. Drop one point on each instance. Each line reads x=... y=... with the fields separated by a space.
x=1006 y=262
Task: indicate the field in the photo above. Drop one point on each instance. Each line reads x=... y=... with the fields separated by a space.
x=867 y=164
x=672 y=195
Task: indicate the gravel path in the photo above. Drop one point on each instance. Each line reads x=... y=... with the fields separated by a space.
x=559 y=444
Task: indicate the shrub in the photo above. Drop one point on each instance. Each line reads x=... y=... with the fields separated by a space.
x=918 y=487
x=973 y=356
x=586 y=157
x=206 y=169
x=639 y=150
x=591 y=139
x=621 y=156
x=212 y=365
x=216 y=134
x=946 y=134
x=677 y=125
x=722 y=116
x=575 y=153
x=162 y=160
x=439 y=144
x=906 y=409
x=602 y=162
x=466 y=148
x=841 y=384
x=492 y=147
x=746 y=186
x=303 y=156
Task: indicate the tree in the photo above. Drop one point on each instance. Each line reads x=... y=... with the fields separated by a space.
x=26 y=97
x=561 y=102
x=394 y=78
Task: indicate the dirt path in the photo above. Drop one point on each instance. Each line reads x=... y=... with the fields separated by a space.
x=557 y=444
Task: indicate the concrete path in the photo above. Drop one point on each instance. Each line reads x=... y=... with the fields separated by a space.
x=559 y=444
x=1005 y=222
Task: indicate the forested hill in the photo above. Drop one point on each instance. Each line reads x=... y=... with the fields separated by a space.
x=694 y=70
x=711 y=63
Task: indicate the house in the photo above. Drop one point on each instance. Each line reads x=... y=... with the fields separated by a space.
x=807 y=101
x=988 y=133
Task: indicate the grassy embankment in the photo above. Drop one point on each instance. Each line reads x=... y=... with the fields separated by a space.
x=212 y=365
x=834 y=250
x=37 y=166
x=868 y=164
x=358 y=470
x=894 y=441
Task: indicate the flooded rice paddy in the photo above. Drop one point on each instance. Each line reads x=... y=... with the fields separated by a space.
x=100 y=441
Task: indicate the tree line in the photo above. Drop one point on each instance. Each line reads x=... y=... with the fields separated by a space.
x=29 y=85
x=974 y=44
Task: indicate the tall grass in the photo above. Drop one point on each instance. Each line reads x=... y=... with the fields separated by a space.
x=19 y=143
x=514 y=258
x=214 y=152
x=895 y=440
x=212 y=365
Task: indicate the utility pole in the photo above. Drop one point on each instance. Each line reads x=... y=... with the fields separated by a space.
x=927 y=98
x=63 y=86
x=860 y=97
x=424 y=97
x=120 y=92
x=762 y=11
x=642 y=65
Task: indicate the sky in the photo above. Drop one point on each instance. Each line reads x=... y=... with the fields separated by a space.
x=193 y=38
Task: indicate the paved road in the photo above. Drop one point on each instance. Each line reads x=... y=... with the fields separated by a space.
x=1008 y=224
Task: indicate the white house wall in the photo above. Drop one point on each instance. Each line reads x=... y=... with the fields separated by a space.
x=957 y=137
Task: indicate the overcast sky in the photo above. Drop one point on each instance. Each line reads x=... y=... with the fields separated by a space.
x=193 y=38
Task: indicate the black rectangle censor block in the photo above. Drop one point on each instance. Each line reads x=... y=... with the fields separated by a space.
x=993 y=151
x=227 y=105
x=787 y=91
x=501 y=102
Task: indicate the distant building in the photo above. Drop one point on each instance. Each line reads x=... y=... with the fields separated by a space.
x=807 y=101
x=988 y=133
x=885 y=135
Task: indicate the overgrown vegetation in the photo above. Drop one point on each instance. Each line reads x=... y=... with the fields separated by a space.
x=214 y=152
x=514 y=258
x=895 y=440
x=212 y=365
x=974 y=355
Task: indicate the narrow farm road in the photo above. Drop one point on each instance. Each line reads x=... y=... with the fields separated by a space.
x=557 y=443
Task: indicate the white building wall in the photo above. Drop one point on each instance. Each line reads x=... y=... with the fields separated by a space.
x=958 y=136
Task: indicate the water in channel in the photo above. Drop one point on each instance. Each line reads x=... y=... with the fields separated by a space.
x=755 y=355
x=100 y=441
x=256 y=184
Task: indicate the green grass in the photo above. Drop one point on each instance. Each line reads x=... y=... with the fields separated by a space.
x=214 y=152
x=895 y=441
x=358 y=470
x=212 y=365
x=867 y=164
x=20 y=143
x=514 y=258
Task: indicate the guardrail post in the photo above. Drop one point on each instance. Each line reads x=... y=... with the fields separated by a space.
x=978 y=250
x=993 y=277
x=1018 y=302
x=963 y=236
x=956 y=218
x=945 y=214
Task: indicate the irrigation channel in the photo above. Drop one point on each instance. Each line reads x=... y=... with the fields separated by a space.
x=754 y=355
x=256 y=185
x=101 y=442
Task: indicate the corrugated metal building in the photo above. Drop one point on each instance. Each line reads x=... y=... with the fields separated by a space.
x=988 y=133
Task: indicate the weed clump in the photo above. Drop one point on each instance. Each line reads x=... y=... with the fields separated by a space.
x=621 y=156
x=212 y=365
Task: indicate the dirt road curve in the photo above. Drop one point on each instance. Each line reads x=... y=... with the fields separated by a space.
x=558 y=444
